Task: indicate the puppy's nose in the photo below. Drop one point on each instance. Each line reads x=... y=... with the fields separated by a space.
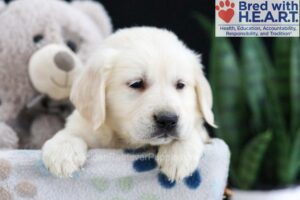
x=166 y=120
x=64 y=61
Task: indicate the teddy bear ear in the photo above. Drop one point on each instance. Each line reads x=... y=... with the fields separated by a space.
x=97 y=13
x=2 y=5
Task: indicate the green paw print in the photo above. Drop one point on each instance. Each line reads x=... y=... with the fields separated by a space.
x=125 y=183
x=101 y=183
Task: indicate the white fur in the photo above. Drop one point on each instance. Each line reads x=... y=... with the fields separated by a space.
x=110 y=114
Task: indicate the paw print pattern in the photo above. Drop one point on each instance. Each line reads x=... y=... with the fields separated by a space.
x=144 y=164
x=23 y=188
x=101 y=183
x=124 y=184
x=26 y=189
x=5 y=169
x=225 y=10
x=165 y=182
x=149 y=163
x=4 y=194
x=41 y=168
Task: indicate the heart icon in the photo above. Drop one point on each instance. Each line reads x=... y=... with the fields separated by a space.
x=226 y=15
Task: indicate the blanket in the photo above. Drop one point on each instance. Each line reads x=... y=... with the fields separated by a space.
x=112 y=175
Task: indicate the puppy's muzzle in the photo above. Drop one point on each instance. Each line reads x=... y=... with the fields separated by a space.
x=166 y=124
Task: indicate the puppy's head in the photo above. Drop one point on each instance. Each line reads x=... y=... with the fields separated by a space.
x=146 y=85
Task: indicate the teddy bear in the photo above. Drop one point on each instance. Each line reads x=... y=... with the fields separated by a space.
x=43 y=45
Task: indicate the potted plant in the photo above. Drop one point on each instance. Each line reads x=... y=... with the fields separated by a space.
x=257 y=109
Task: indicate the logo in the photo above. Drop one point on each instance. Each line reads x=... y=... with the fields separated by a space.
x=225 y=10
x=257 y=18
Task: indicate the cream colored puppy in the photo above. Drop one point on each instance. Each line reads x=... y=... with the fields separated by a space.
x=143 y=86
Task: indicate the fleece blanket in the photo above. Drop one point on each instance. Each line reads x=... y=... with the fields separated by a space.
x=112 y=175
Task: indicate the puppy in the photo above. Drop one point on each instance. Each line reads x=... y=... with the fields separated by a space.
x=143 y=87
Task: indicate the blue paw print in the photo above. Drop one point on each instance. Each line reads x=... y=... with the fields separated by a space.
x=165 y=182
x=144 y=164
x=149 y=163
x=41 y=168
x=194 y=180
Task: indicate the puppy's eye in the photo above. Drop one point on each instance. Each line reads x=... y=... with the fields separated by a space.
x=180 y=85
x=139 y=84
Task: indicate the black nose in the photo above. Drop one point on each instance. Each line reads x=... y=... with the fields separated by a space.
x=64 y=61
x=166 y=120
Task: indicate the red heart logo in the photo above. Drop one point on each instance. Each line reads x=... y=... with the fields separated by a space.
x=226 y=15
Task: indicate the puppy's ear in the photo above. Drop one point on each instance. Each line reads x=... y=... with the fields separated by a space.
x=204 y=96
x=88 y=91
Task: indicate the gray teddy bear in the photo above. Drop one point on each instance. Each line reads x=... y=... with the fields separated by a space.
x=43 y=44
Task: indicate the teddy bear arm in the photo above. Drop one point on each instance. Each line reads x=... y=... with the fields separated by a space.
x=8 y=137
x=42 y=129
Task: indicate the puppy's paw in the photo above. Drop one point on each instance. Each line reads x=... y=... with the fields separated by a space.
x=64 y=156
x=178 y=160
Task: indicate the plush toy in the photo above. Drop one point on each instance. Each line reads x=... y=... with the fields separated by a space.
x=52 y=70
x=35 y=74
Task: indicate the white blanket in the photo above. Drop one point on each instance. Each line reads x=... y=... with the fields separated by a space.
x=112 y=175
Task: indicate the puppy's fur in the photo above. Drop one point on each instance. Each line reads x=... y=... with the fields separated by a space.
x=112 y=112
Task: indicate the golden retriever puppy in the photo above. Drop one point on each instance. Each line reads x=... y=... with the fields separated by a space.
x=142 y=87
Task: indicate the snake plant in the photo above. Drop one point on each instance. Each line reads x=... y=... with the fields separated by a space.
x=257 y=108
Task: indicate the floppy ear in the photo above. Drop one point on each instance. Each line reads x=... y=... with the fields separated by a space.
x=204 y=96
x=88 y=91
x=97 y=13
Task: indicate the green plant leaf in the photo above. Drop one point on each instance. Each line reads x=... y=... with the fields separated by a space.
x=251 y=158
x=273 y=110
x=281 y=148
x=283 y=78
x=295 y=84
x=254 y=77
x=274 y=113
x=293 y=169
x=226 y=85
x=282 y=72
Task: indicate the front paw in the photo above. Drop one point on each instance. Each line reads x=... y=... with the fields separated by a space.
x=178 y=161
x=64 y=156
